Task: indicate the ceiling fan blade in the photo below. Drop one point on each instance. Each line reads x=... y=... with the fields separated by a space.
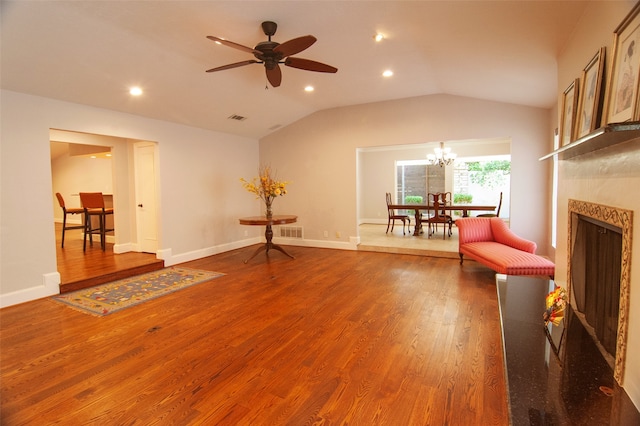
x=234 y=45
x=295 y=45
x=309 y=65
x=234 y=65
x=274 y=75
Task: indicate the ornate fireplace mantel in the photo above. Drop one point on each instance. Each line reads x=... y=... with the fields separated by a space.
x=622 y=219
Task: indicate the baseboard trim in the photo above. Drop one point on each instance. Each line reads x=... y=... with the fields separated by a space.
x=352 y=244
x=170 y=259
x=50 y=286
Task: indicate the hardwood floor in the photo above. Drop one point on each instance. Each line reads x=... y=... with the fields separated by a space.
x=332 y=337
x=81 y=269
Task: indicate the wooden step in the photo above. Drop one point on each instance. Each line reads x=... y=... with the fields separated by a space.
x=112 y=276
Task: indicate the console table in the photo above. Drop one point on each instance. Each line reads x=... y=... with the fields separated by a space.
x=555 y=375
x=268 y=234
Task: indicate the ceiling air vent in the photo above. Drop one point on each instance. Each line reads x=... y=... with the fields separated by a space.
x=236 y=117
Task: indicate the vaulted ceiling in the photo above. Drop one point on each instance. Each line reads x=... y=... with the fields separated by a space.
x=91 y=52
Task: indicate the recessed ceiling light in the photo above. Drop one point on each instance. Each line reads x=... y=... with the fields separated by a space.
x=378 y=37
x=309 y=89
x=387 y=73
x=135 y=91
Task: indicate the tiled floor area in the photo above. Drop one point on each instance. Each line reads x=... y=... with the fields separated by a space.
x=374 y=238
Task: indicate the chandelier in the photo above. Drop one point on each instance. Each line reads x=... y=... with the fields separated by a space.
x=442 y=157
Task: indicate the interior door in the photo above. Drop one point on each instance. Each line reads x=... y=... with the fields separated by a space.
x=146 y=196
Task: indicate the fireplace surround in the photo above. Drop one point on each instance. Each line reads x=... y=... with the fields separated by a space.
x=622 y=219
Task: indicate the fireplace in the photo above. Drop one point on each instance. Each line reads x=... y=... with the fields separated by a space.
x=598 y=269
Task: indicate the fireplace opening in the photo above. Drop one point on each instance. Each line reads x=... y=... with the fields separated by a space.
x=596 y=261
x=598 y=276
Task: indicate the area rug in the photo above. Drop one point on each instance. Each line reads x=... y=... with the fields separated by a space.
x=111 y=297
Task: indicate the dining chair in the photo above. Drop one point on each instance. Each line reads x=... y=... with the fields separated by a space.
x=453 y=214
x=440 y=215
x=424 y=217
x=93 y=204
x=497 y=213
x=393 y=216
x=68 y=211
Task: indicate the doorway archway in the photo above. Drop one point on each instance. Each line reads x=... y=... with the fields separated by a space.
x=97 y=163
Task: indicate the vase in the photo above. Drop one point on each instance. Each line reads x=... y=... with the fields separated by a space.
x=269 y=213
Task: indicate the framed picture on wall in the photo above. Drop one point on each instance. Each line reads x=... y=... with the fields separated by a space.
x=568 y=111
x=622 y=93
x=588 y=117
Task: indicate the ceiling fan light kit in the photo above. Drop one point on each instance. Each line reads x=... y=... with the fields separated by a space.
x=271 y=54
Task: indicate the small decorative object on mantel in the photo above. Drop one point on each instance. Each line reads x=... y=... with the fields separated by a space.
x=266 y=187
x=556 y=303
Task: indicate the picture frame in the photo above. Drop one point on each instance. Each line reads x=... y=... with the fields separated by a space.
x=569 y=110
x=622 y=93
x=590 y=106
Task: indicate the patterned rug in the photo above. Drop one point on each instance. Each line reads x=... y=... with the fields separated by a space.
x=111 y=297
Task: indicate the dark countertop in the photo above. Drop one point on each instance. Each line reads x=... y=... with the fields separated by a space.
x=559 y=377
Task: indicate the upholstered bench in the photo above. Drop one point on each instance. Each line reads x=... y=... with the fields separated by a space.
x=489 y=241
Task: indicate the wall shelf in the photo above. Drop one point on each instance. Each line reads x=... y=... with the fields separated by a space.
x=603 y=137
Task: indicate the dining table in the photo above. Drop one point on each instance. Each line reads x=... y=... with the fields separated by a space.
x=419 y=208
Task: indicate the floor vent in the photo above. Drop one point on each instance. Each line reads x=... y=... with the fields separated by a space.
x=291 y=232
x=237 y=117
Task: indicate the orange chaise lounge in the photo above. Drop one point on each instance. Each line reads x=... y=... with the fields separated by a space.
x=489 y=241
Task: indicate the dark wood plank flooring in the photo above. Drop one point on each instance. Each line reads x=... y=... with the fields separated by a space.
x=332 y=337
x=81 y=269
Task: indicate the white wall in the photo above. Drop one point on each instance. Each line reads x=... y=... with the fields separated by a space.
x=377 y=177
x=200 y=194
x=610 y=177
x=318 y=153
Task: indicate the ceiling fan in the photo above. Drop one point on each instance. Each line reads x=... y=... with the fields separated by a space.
x=271 y=54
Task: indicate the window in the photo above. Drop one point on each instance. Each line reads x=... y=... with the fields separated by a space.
x=554 y=194
x=417 y=178
x=410 y=179
x=478 y=180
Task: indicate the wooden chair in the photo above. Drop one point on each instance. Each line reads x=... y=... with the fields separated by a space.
x=440 y=215
x=65 y=212
x=393 y=216
x=424 y=217
x=93 y=204
x=447 y=200
x=497 y=213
